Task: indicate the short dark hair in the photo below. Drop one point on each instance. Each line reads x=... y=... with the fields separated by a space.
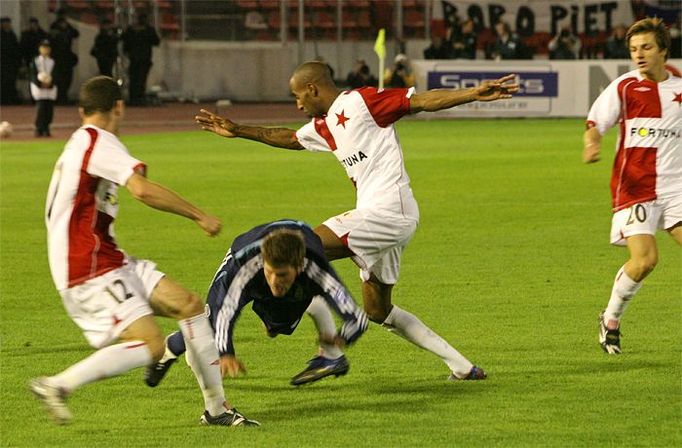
x=652 y=25
x=284 y=247
x=99 y=94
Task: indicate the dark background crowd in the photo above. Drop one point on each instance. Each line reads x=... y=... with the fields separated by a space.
x=17 y=54
x=465 y=39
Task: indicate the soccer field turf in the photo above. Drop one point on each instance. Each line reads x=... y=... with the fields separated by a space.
x=511 y=264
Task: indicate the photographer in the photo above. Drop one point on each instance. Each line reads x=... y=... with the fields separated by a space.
x=565 y=45
x=400 y=75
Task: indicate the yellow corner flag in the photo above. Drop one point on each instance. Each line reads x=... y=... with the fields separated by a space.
x=380 y=50
x=380 y=44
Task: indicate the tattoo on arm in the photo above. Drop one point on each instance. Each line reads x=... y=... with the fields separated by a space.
x=279 y=137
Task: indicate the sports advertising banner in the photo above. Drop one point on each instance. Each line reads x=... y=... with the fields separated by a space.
x=548 y=87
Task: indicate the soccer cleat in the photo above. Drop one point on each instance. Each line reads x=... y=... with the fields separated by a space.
x=53 y=399
x=231 y=417
x=609 y=339
x=320 y=367
x=155 y=373
x=476 y=373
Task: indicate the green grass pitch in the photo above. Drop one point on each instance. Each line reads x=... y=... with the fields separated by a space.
x=511 y=264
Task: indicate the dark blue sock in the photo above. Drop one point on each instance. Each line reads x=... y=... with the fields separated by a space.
x=176 y=343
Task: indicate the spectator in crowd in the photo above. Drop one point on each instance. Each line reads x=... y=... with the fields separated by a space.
x=10 y=55
x=138 y=41
x=616 y=47
x=400 y=75
x=31 y=38
x=507 y=45
x=43 y=89
x=438 y=49
x=564 y=45
x=360 y=76
x=464 y=45
x=105 y=49
x=62 y=35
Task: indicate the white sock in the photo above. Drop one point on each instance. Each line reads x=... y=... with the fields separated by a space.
x=411 y=328
x=104 y=363
x=624 y=289
x=324 y=322
x=202 y=356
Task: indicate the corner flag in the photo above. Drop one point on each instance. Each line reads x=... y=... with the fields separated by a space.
x=380 y=50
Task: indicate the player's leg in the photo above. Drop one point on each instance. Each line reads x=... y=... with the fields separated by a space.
x=334 y=247
x=171 y=299
x=174 y=348
x=636 y=227
x=107 y=308
x=330 y=360
x=377 y=302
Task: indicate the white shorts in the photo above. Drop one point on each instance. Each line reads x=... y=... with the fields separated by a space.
x=645 y=218
x=104 y=306
x=377 y=240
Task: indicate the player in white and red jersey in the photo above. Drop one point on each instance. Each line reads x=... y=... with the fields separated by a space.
x=110 y=296
x=357 y=127
x=646 y=183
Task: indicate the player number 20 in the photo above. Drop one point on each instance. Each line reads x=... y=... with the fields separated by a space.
x=638 y=212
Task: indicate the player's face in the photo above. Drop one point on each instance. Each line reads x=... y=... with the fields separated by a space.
x=279 y=278
x=644 y=51
x=304 y=98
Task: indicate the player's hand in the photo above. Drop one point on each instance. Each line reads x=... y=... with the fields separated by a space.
x=209 y=121
x=591 y=152
x=496 y=90
x=231 y=366
x=210 y=224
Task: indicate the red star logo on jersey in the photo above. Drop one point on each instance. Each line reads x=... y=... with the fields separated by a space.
x=677 y=99
x=342 y=119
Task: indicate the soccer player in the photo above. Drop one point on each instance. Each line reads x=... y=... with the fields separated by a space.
x=281 y=267
x=357 y=127
x=646 y=183
x=112 y=297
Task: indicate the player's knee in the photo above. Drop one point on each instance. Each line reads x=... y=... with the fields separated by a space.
x=642 y=266
x=191 y=306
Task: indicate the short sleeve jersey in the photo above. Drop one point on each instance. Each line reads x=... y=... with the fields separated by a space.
x=82 y=204
x=358 y=129
x=648 y=163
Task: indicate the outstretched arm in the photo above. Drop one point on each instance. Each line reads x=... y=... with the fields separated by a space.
x=159 y=197
x=278 y=137
x=439 y=99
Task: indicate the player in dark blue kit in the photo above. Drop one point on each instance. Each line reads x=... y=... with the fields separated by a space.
x=282 y=269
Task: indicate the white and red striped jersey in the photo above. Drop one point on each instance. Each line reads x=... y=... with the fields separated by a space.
x=358 y=129
x=82 y=204
x=648 y=163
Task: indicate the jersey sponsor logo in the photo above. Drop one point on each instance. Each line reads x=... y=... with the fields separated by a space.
x=354 y=159
x=655 y=132
x=532 y=84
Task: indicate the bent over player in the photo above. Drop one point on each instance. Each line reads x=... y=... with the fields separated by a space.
x=357 y=127
x=281 y=268
x=109 y=295
x=646 y=183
